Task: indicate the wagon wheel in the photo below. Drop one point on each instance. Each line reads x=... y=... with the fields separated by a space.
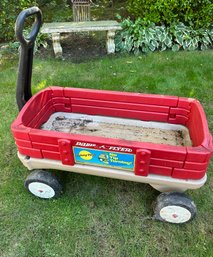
x=43 y=184
x=174 y=207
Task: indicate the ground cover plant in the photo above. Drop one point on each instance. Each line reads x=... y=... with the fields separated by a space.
x=145 y=36
x=99 y=216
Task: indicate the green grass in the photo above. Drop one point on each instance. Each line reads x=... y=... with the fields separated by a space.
x=99 y=216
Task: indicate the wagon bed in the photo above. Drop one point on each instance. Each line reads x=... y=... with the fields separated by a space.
x=181 y=162
x=126 y=129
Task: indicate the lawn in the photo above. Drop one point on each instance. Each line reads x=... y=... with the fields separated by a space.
x=96 y=216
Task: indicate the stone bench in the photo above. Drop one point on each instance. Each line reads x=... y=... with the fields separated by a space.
x=55 y=28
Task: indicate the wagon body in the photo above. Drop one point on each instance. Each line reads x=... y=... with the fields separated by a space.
x=150 y=159
x=172 y=157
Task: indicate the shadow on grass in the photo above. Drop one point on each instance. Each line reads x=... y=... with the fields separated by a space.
x=99 y=192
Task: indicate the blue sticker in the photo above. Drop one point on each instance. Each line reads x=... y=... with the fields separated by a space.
x=104 y=158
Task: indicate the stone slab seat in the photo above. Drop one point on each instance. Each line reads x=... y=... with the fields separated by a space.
x=55 y=28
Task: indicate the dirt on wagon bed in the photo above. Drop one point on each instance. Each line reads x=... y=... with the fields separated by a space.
x=115 y=128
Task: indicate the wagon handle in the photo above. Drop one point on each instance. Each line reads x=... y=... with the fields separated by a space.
x=23 y=88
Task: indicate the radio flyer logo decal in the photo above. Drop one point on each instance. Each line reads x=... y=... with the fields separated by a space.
x=104 y=147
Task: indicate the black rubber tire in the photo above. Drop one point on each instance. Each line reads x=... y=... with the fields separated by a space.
x=46 y=178
x=175 y=200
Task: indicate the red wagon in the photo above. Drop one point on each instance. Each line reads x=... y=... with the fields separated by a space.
x=160 y=140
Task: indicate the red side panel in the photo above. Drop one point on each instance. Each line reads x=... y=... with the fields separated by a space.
x=45 y=111
x=158 y=170
x=198 y=126
x=51 y=155
x=132 y=114
x=176 y=153
x=185 y=103
x=62 y=104
x=20 y=132
x=197 y=154
x=166 y=163
x=180 y=111
x=195 y=166
x=178 y=119
x=57 y=91
x=44 y=116
x=121 y=96
x=120 y=105
x=188 y=174
x=23 y=143
x=47 y=147
x=36 y=103
x=30 y=152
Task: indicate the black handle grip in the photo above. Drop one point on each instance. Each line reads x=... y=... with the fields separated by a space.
x=23 y=88
x=19 y=27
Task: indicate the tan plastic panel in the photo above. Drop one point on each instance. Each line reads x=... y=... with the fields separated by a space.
x=161 y=183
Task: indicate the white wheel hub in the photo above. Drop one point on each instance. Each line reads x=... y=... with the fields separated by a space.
x=41 y=190
x=175 y=214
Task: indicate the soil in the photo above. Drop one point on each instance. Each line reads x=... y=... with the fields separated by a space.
x=79 y=47
x=120 y=131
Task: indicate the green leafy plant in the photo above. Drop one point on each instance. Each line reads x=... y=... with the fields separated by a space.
x=144 y=36
x=194 y=13
x=8 y=14
x=56 y=10
x=186 y=38
x=41 y=41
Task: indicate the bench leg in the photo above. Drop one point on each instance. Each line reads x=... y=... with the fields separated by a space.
x=110 y=42
x=56 y=44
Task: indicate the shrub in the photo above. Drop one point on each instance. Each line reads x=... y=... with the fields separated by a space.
x=9 y=10
x=197 y=13
x=143 y=36
x=8 y=14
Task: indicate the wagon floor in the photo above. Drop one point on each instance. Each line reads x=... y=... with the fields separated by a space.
x=120 y=128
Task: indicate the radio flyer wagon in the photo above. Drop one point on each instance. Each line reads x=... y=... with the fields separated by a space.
x=160 y=140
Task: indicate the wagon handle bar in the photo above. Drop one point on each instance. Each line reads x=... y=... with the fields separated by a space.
x=23 y=88
x=19 y=27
